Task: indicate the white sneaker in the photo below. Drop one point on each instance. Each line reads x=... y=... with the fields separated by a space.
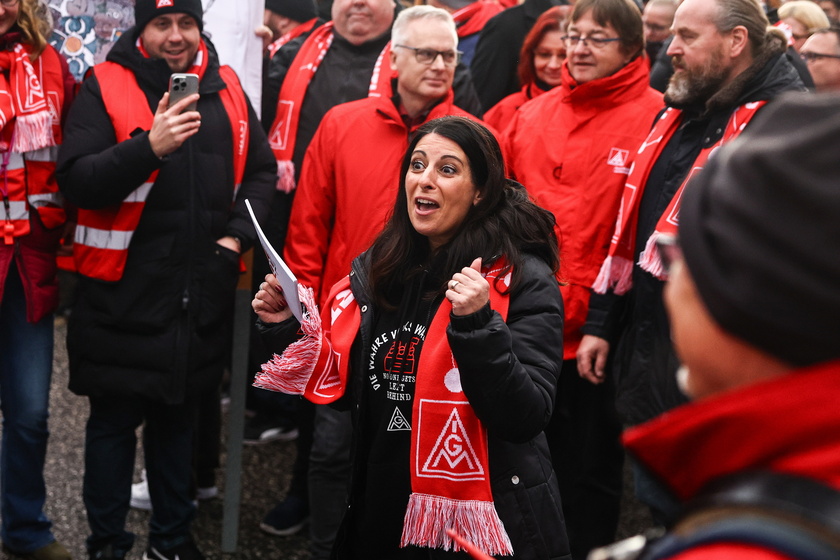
x=206 y=493
x=140 y=498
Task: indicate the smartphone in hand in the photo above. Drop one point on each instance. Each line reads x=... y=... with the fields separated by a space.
x=181 y=86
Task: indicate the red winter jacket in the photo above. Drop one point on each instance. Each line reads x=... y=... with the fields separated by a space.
x=790 y=425
x=500 y=115
x=347 y=188
x=572 y=147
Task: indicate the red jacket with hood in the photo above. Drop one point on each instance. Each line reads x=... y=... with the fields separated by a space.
x=572 y=148
x=789 y=425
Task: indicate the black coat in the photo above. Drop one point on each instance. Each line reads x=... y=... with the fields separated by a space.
x=509 y=373
x=164 y=328
x=636 y=323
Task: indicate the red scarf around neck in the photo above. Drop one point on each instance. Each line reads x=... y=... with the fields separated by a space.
x=35 y=116
x=294 y=33
x=283 y=132
x=450 y=476
x=617 y=270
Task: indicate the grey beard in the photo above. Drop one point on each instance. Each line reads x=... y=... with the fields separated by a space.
x=695 y=88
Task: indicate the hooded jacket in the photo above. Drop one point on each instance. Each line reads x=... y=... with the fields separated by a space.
x=348 y=186
x=636 y=323
x=502 y=113
x=164 y=328
x=572 y=148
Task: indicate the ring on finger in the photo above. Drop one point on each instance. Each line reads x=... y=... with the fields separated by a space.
x=453 y=284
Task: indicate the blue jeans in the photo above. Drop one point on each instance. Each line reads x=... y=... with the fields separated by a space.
x=109 y=466
x=26 y=353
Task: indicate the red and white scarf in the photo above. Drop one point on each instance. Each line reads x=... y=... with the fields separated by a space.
x=283 y=132
x=294 y=33
x=23 y=98
x=450 y=484
x=617 y=269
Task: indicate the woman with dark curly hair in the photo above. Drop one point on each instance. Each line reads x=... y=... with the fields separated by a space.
x=445 y=342
x=33 y=90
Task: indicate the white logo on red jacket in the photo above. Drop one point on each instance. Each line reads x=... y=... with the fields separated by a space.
x=618 y=157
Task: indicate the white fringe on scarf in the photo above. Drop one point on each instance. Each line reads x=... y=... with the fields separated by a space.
x=285 y=176
x=650 y=260
x=616 y=272
x=428 y=517
x=290 y=372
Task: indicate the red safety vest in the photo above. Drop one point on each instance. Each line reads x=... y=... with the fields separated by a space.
x=103 y=236
x=29 y=177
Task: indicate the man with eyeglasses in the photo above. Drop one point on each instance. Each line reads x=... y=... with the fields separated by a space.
x=572 y=148
x=822 y=54
x=728 y=65
x=343 y=196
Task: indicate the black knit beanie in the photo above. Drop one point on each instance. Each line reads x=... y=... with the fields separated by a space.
x=296 y=10
x=760 y=231
x=147 y=10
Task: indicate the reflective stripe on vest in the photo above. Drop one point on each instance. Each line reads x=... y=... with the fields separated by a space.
x=30 y=178
x=103 y=236
x=17 y=211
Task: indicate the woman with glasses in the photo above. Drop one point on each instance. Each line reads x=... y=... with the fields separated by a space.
x=33 y=90
x=540 y=63
x=572 y=147
x=444 y=342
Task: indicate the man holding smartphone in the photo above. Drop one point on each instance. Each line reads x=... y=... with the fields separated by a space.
x=161 y=194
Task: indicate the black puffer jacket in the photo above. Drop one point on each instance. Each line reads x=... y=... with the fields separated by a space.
x=509 y=373
x=164 y=328
x=645 y=364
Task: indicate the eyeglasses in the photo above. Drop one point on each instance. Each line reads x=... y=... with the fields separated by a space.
x=9 y=3
x=594 y=42
x=813 y=56
x=428 y=56
x=669 y=250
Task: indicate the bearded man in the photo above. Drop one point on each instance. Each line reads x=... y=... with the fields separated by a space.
x=727 y=67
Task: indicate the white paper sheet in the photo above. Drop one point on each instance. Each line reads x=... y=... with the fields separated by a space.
x=288 y=281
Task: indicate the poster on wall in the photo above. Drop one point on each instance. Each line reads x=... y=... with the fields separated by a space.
x=85 y=30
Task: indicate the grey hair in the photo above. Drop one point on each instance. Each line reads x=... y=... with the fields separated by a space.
x=747 y=13
x=399 y=31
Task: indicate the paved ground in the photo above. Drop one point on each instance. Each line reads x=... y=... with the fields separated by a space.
x=265 y=479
